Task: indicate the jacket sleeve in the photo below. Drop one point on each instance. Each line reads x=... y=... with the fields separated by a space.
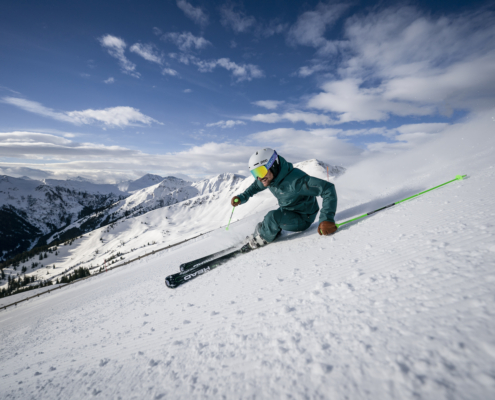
x=255 y=187
x=311 y=186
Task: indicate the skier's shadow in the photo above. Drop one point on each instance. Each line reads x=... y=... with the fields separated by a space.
x=353 y=212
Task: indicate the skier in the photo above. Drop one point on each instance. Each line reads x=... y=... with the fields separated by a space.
x=296 y=192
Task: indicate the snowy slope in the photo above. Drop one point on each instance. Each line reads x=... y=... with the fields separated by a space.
x=397 y=306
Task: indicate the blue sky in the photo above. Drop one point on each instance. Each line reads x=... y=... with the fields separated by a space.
x=113 y=90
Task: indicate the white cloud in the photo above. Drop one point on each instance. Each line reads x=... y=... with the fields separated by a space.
x=114 y=117
x=226 y=124
x=309 y=30
x=268 y=104
x=36 y=108
x=353 y=103
x=109 y=80
x=186 y=41
x=62 y=157
x=306 y=71
x=41 y=145
x=147 y=51
x=169 y=71
x=407 y=137
x=194 y=13
x=116 y=47
x=111 y=117
x=237 y=21
x=299 y=145
x=187 y=90
x=243 y=72
x=399 y=61
x=294 y=116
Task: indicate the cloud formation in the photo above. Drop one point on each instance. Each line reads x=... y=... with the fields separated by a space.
x=116 y=48
x=194 y=13
x=310 y=27
x=294 y=116
x=148 y=52
x=237 y=21
x=186 y=41
x=241 y=72
x=63 y=157
x=399 y=61
x=19 y=144
x=226 y=124
x=110 y=117
x=269 y=104
x=170 y=71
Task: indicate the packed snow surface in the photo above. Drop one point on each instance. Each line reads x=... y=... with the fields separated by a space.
x=399 y=305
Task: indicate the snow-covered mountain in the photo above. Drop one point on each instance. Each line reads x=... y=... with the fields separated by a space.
x=31 y=210
x=170 y=191
x=143 y=182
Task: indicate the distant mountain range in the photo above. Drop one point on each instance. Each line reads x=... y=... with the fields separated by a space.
x=32 y=210
x=35 y=213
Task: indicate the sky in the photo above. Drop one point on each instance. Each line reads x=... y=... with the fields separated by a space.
x=113 y=90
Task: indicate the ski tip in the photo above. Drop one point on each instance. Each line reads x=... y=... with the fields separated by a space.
x=460 y=177
x=169 y=283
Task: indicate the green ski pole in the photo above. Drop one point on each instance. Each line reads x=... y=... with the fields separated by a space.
x=233 y=208
x=457 y=178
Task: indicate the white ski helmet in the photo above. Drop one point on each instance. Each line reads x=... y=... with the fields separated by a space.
x=261 y=161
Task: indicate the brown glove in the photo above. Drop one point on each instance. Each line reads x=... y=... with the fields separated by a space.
x=235 y=201
x=327 y=228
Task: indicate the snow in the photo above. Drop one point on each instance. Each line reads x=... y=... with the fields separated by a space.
x=399 y=305
x=143 y=182
x=24 y=295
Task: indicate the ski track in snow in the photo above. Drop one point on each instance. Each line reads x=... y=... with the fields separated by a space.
x=360 y=315
x=398 y=305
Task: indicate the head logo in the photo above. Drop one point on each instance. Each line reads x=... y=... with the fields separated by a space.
x=198 y=272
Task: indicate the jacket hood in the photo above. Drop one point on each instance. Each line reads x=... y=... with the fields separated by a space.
x=285 y=169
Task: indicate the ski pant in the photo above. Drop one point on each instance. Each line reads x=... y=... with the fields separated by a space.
x=277 y=220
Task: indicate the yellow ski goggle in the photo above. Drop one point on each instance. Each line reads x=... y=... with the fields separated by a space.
x=261 y=171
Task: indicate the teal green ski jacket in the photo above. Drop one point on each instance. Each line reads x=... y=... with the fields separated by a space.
x=296 y=191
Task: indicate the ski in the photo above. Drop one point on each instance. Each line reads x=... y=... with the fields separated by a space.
x=191 y=264
x=175 y=280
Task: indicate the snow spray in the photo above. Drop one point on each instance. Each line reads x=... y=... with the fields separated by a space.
x=457 y=178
